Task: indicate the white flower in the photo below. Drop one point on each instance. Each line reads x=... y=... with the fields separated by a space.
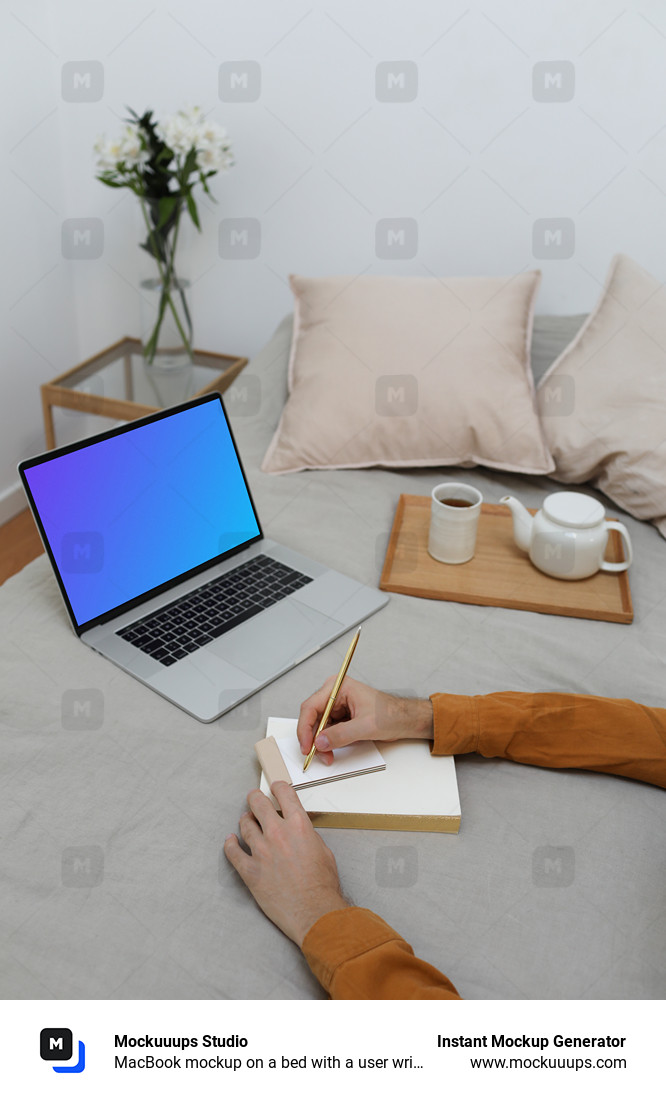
x=179 y=131
x=188 y=129
x=132 y=151
x=213 y=148
x=214 y=160
x=194 y=115
x=177 y=134
x=125 y=149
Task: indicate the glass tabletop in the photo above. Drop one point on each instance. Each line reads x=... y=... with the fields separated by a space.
x=121 y=374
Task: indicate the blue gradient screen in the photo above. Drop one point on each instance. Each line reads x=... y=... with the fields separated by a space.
x=127 y=514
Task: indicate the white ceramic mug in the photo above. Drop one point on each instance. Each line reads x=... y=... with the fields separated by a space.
x=453 y=527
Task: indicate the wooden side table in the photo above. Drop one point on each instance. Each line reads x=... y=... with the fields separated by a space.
x=118 y=384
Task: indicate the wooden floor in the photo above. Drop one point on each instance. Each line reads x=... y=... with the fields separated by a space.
x=19 y=544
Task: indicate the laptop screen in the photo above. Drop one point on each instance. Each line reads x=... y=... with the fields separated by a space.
x=128 y=512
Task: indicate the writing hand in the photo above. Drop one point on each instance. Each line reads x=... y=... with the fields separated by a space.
x=361 y=713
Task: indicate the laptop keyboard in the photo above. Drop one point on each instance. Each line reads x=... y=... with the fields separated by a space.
x=192 y=621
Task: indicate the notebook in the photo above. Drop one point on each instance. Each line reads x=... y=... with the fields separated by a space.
x=415 y=792
x=349 y=761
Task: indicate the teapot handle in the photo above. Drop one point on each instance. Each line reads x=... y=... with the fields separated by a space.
x=618 y=566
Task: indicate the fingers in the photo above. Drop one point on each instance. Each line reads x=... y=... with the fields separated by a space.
x=262 y=808
x=344 y=733
x=238 y=859
x=252 y=824
x=288 y=800
x=310 y=713
x=313 y=708
x=308 y=720
x=249 y=830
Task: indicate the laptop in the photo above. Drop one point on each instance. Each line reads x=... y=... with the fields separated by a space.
x=164 y=568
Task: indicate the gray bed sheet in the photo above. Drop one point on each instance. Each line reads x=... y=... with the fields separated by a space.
x=115 y=804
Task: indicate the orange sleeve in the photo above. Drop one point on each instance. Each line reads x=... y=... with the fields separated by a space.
x=353 y=952
x=554 y=730
x=358 y=956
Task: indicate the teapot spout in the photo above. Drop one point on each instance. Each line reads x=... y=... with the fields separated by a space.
x=522 y=522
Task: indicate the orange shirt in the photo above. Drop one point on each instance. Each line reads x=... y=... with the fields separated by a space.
x=357 y=955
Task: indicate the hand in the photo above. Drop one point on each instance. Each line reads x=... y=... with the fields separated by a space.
x=290 y=872
x=361 y=713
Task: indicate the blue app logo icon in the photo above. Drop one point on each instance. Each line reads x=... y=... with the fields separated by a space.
x=56 y=1044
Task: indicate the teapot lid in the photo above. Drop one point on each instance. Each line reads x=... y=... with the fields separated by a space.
x=573 y=509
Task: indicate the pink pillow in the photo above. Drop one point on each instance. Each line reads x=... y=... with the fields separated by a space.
x=388 y=371
x=603 y=401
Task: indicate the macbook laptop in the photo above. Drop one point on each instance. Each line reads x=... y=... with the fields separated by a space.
x=164 y=568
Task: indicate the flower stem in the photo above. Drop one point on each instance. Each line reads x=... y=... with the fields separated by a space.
x=166 y=279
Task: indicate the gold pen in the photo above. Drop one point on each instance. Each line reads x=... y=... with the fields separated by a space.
x=333 y=696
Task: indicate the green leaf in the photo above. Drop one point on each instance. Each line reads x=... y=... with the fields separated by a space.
x=203 y=176
x=191 y=206
x=190 y=163
x=110 y=182
x=166 y=208
x=164 y=155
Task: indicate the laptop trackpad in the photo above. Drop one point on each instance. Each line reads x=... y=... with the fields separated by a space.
x=275 y=638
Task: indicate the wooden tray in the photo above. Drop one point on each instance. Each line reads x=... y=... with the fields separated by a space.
x=499 y=574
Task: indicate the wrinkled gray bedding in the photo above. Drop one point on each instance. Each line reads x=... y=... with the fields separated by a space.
x=113 y=881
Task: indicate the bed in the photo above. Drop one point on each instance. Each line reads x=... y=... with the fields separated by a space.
x=114 y=811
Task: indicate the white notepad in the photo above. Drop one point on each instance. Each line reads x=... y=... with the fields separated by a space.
x=415 y=792
x=358 y=759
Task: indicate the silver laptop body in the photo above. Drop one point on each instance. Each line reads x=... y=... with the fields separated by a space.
x=218 y=674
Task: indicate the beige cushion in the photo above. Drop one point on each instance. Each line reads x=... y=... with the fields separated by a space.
x=603 y=401
x=411 y=372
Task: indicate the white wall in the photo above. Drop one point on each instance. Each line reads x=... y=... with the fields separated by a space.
x=473 y=159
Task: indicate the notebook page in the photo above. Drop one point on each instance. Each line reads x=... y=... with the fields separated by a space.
x=358 y=759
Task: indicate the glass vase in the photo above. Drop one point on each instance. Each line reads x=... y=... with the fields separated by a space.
x=166 y=324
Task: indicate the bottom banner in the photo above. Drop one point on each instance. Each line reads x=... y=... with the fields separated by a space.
x=304 y=1049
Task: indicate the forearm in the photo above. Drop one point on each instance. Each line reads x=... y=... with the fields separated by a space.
x=554 y=730
x=357 y=956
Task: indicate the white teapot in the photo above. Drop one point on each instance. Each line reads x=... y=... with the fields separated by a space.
x=567 y=537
